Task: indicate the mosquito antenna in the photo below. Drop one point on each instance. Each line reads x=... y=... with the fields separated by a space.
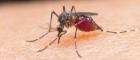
x=64 y=8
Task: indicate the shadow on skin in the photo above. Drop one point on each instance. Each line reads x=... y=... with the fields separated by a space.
x=81 y=36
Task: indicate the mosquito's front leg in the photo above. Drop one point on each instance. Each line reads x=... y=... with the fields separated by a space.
x=47 y=45
x=58 y=37
x=52 y=13
x=60 y=32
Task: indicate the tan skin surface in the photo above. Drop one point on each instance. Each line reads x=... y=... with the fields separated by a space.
x=26 y=21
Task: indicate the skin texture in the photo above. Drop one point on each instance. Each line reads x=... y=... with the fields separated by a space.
x=20 y=22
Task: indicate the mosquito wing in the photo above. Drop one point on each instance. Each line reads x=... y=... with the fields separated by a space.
x=85 y=13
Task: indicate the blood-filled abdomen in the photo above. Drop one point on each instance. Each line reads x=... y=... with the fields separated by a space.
x=84 y=24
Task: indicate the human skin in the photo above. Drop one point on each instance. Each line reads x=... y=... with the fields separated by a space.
x=21 y=22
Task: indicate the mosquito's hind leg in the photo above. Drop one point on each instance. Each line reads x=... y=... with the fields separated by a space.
x=96 y=25
x=111 y=32
x=99 y=28
x=52 y=13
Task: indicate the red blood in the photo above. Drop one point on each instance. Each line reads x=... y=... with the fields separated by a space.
x=84 y=24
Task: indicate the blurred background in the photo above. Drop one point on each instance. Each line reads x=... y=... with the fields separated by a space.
x=13 y=1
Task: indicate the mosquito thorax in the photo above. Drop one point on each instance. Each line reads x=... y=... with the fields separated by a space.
x=66 y=19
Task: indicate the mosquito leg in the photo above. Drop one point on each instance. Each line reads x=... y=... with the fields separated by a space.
x=52 y=13
x=60 y=34
x=58 y=39
x=39 y=37
x=111 y=32
x=47 y=45
x=75 y=45
x=97 y=26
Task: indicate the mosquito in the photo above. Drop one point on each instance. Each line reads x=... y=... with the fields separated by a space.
x=80 y=20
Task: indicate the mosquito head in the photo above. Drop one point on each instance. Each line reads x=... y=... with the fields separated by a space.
x=66 y=19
